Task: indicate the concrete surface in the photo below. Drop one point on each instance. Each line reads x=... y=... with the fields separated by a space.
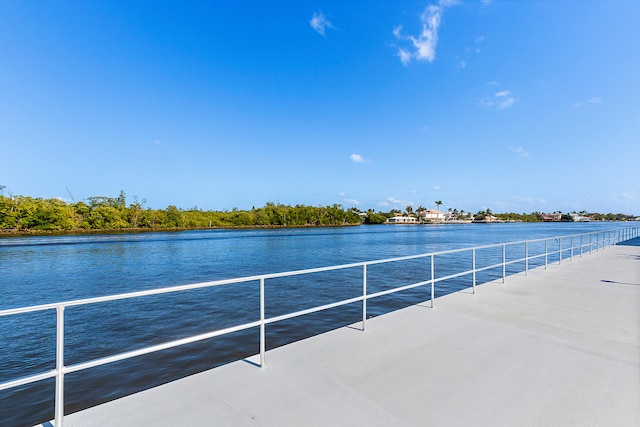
x=559 y=347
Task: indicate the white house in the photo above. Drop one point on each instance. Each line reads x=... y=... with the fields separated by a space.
x=401 y=219
x=431 y=215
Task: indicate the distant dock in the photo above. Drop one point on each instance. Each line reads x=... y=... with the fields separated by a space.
x=558 y=347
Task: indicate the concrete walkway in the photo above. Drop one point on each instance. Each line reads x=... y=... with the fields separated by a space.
x=559 y=347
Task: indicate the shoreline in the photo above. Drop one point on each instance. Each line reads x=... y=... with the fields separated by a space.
x=22 y=233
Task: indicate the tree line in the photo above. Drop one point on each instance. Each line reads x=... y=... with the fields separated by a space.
x=25 y=214
x=453 y=215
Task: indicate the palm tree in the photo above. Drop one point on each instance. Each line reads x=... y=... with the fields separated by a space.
x=438 y=203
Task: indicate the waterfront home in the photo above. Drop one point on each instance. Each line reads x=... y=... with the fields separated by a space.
x=431 y=215
x=554 y=217
x=402 y=219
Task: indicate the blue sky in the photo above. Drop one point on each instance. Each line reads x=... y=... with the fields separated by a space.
x=514 y=106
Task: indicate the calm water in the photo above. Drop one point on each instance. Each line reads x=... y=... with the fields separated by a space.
x=38 y=270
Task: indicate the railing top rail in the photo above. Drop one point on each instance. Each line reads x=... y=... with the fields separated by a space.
x=200 y=285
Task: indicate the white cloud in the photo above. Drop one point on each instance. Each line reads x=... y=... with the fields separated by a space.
x=405 y=56
x=348 y=200
x=531 y=201
x=357 y=158
x=593 y=100
x=399 y=202
x=469 y=52
x=506 y=103
x=519 y=150
x=500 y=100
x=424 y=45
x=319 y=22
x=436 y=188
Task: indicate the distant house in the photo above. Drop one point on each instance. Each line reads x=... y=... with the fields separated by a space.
x=402 y=219
x=487 y=218
x=580 y=218
x=431 y=215
x=554 y=217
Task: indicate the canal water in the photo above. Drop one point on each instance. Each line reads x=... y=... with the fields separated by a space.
x=46 y=269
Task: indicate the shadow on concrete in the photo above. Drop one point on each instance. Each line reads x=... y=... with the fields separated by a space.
x=619 y=283
x=631 y=242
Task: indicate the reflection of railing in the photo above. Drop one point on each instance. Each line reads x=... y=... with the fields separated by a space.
x=572 y=245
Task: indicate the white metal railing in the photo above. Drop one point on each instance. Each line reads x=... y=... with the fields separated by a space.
x=586 y=244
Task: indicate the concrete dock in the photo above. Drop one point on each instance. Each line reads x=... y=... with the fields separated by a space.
x=558 y=347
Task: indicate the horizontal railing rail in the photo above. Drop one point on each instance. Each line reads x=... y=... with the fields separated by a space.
x=578 y=244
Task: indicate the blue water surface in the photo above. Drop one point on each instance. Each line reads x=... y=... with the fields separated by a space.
x=48 y=269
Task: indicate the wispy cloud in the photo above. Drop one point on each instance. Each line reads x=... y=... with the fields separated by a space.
x=357 y=158
x=399 y=202
x=519 y=150
x=349 y=200
x=469 y=53
x=158 y=142
x=500 y=100
x=593 y=100
x=354 y=202
x=533 y=202
x=423 y=46
x=319 y=23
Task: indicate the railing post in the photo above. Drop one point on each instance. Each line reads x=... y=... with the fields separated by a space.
x=433 y=279
x=590 y=243
x=546 y=253
x=364 y=295
x=526 y=258
x=59 y=399
x=597 y=242
x=581 y=246
x=504 y=262
x=571 y=253
x=262 y=325
x=473 y=268
x=560 y=257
